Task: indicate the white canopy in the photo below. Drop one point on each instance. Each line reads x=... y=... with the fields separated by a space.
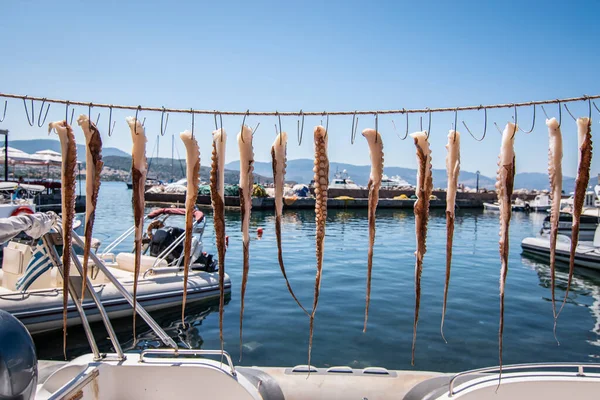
x=14 y=155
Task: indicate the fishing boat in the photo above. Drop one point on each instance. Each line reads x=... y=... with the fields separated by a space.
x=518 y=205
x=31 y=285
x=587 y=254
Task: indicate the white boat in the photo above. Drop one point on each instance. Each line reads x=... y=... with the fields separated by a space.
x=518 y=205
x=588 y=222
x=540 y=203
x=149 y=377
x=393 y=182
x=31 y=285
x=587 y=254
x=341 y=180
x=17 y=198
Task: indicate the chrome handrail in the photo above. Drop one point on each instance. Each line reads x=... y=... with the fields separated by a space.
x=166 y=339
x=55 y=260
x=580 y=370
x=177 y=353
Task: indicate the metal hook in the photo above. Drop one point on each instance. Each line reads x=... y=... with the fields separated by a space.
x=243 y=123
x=484 y=126
x=406 y=134
x=221 y=120
x=90 y=116
x=300 y=130
x=111 y=131
x=32 y=120
x=255 y=129
x=455 y=122
x=192 y=112
x=6 y=104
x=67 y=114
x=532 y=124
x=354 y=128
x=326 y=124
x=136 y=119
x=516 y=125
x=376 y=126
x=559 y=113
x=40 y=114
x=163 y=128
x=280 y=138
x=429 y=125
x=572 y=116
x=589 y=109
x=597 y=109
x=97 y=119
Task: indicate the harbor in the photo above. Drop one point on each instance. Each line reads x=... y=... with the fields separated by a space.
x=304 y=201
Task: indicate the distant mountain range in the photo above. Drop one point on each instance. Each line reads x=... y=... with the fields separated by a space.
x=301 y=171
x=31 y=146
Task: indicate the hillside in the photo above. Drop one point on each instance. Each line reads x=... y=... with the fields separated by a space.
x=301 y=171
x=31 y=146
x=160 y=168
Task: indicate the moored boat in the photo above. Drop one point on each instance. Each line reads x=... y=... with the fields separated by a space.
x=587 y=254
x=31 y=286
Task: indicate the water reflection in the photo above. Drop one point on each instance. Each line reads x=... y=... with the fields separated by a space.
x=585 y=284
x=49 y=345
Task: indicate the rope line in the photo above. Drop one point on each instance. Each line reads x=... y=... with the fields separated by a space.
x=300 y=113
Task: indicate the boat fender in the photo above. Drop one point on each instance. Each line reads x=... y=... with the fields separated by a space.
x=21 y=210
x=266 y=385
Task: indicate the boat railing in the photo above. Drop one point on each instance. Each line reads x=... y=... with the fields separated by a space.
x=50 y=244
x=532 y=366
x=179 y=352
x=120 y=239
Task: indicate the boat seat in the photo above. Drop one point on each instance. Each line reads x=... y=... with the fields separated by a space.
x=126 y=262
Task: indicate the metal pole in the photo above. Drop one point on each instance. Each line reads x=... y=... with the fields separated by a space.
x=477 y=181
x=86 y=325
x=109 y=328
x=166 y=339
x=5 y=133
x=172 y=154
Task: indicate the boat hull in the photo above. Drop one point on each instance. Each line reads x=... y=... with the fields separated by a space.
x=41 y=310
x=585 y=256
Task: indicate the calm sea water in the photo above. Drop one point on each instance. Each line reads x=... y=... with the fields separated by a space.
x=276 y=330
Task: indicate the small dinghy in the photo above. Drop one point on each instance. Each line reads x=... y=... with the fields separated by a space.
x=31 y=284
x=587 y=253
x=518 y=205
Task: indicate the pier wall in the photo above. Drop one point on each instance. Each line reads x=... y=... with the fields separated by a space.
x=360 y=200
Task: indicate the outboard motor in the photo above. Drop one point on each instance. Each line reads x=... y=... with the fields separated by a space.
x=163 y=238
x=18 y=362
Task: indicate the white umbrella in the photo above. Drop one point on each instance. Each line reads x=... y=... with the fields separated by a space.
x=15 y=155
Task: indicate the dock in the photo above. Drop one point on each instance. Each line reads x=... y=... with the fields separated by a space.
x=358 y=200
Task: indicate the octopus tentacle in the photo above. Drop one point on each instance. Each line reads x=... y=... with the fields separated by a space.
x=69 y=162
x=376 y=154
x=421 y=211
x=504 y=186
x=584 y=136
x=279 y=159
x=246 y=186
x=321 y=177
x=452 y=170
x=193 y=178
x=217 y=196
x=139 y=169
x=93 y=168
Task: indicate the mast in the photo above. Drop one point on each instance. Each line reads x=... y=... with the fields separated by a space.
x=172 y=154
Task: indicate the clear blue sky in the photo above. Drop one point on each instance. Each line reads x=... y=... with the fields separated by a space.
x=314 y=56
